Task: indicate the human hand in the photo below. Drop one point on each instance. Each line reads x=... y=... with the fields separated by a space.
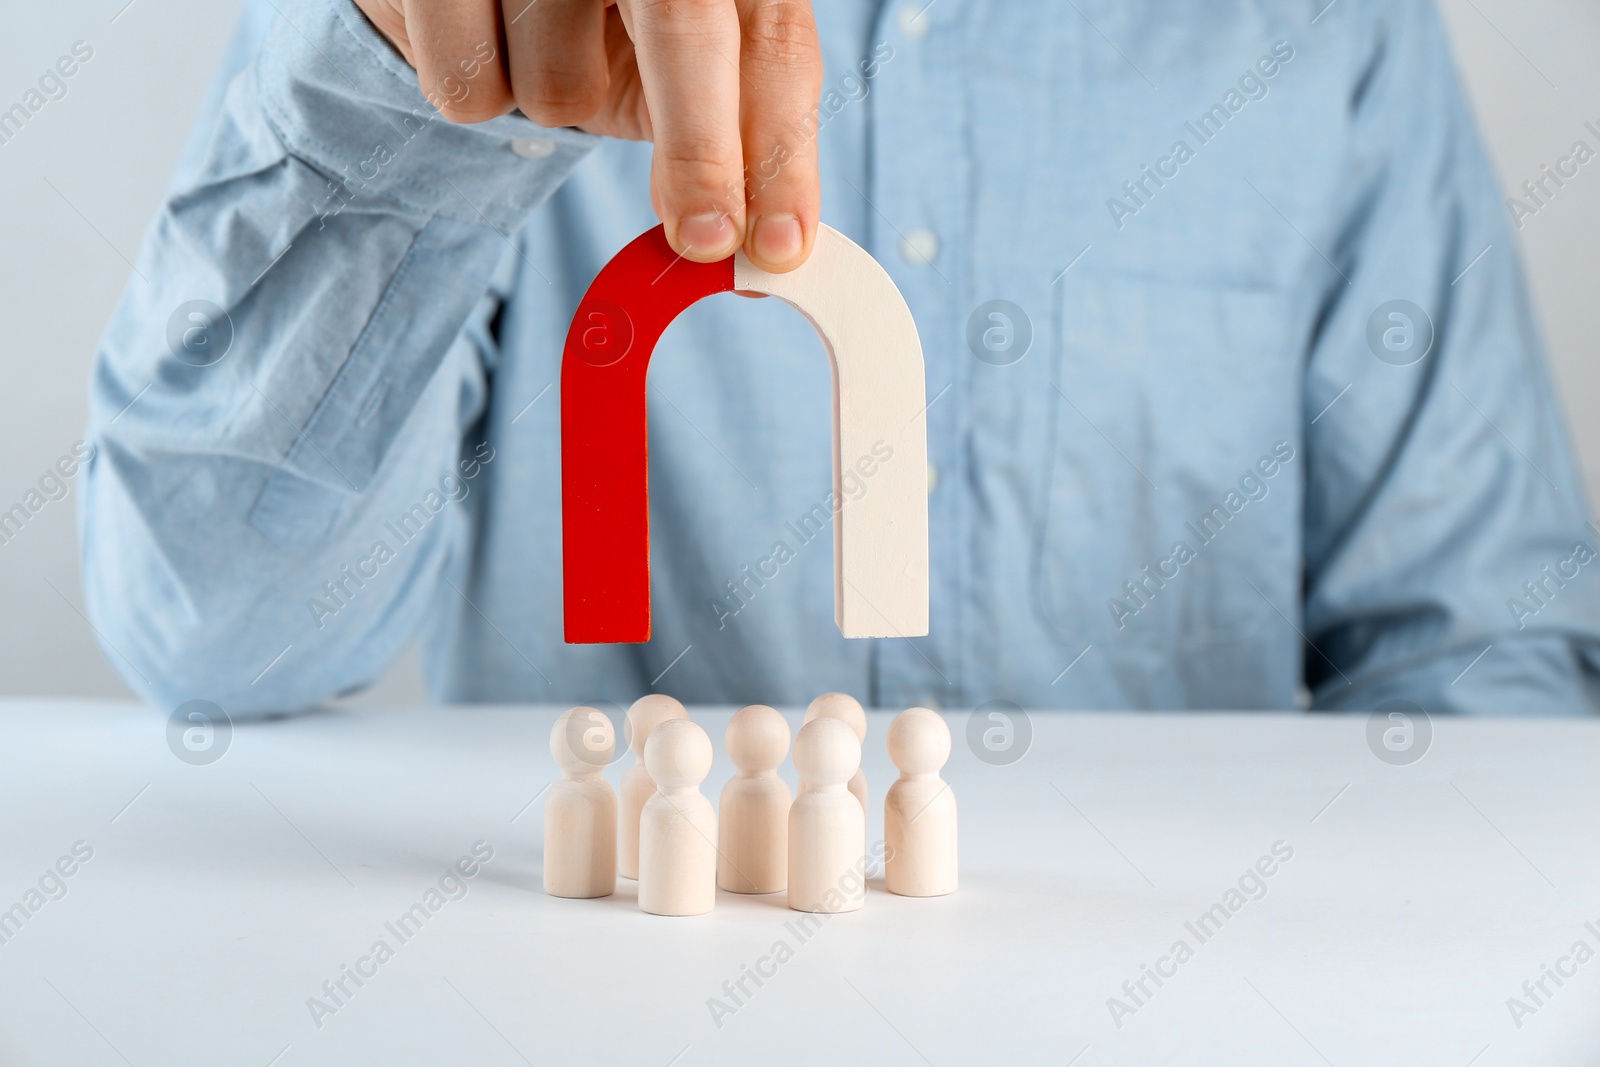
x=722 y=87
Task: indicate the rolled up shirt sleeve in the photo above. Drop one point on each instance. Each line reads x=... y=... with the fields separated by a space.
x=1450 y=557
x=299 y=361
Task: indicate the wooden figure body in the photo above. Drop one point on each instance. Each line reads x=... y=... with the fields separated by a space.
x=678 y=827
x=643 y=717
x=919 y=811
x=580 y=813
x=827 y=826
x=753 y=817
x=847 y=709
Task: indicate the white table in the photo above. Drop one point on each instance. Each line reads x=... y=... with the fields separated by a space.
x=219 y=899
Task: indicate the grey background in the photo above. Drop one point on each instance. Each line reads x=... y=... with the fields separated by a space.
x=81 y=182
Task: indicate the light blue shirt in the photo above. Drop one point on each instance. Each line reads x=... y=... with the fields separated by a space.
x=1199 y=458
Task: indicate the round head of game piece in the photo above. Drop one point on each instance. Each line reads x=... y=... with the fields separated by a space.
x=582 y=740
x=826 y=752
x=919 y=741
x=757 y=739
x=648 y=712
x=840 y=706
x=678 y=754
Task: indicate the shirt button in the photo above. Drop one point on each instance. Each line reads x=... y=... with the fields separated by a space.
x=933 y=478
x=533 y=147
x=919 y=246
x=912 y=19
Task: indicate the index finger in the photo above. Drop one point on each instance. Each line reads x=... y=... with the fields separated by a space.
x=688 y=56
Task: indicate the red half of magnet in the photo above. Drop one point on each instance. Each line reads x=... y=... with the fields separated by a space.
x=605 y=488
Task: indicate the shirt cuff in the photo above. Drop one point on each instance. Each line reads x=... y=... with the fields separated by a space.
x=344 y=102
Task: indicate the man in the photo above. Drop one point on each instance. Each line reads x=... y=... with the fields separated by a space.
x=1226 y=408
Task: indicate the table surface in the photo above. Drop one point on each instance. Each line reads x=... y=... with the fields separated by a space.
x=219 y=898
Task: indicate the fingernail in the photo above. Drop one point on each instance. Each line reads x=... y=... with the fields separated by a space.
x=707 y=235
x=778 y=238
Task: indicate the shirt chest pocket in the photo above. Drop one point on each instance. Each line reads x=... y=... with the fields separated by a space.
x=1174 y=463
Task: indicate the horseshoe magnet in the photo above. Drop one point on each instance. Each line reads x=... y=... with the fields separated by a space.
x=880 y=532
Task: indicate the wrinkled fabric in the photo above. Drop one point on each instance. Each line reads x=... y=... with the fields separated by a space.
x=1192 y=460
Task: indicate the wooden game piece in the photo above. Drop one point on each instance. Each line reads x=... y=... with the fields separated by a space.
x=827 y=828
x=637 y=787
x=678 y=827
x=919 y=811
x=847 y=709
x=880 y=541
x=580 y=812
x=753 y=816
